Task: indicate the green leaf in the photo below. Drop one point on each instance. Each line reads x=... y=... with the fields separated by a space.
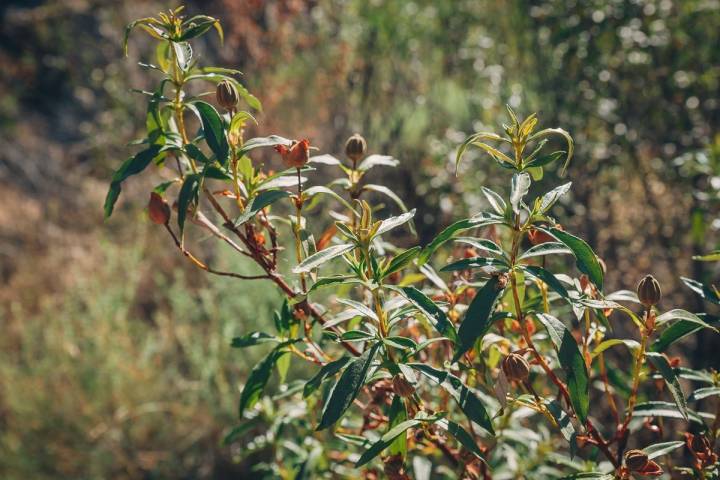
x=474 y=262
x=183 y=54
x=392 y=196
x=572 y=362
x=469 y=403
x=434 y=314
x=356 y=336
x=334 y=280
x=401 y=261
x=398 y=414
x=710 y=257
x=547 y=277
x=477 y=318
x=347 y=388
x=402 y=343
x=662 y=365
x=545 y=159
x=312 y=191
x=260 y=142
x=519 y=188
x=685 y=324
x=483 y=244
x=387 y=439
x=495 y=200
x=257 y=380
x=548 y=248
x=557 y=131
x=319 y=258
x=461 y=435
x=374 y=160
x=260 y=201
x=703 y=290
x=393 y=222
x=550 y=198
x=590 y=476
x=564 y=423
x=705 y=392
x=131 y=166
x=586 y=260
x=666 y=410
x=360 y=308
x=254 y=338
x=480 y=220
x=213 y=130
x=327 y=371
x=632 y=345
x=660 y=449
x=188 y=196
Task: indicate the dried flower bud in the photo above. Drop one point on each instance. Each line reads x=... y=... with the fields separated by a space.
x=648 y=291
x=402 y=387
x=355 y=147
x=515 y=367
x=297 y=155
x=158 y=209
x=227 y=95
x=636 y=460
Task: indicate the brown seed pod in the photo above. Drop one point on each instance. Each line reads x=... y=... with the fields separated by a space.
x=158 y=209
x=402 y=387
x=227 y=95
x=648 y=291
x=636 y=460
x=355 y=147
x=516 y=367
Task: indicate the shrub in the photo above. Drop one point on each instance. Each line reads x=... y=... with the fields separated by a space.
x=494 y=365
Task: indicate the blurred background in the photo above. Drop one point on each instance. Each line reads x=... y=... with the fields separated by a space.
x=114 y=354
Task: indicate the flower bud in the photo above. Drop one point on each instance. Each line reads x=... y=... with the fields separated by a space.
x=636 y=460
x=402 y=387
x=648 y=291
x=355 y=147
x=516 y=367
x=227 y=95
x=158 y=209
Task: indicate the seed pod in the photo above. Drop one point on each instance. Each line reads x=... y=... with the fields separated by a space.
x=355 y=147
x=636 y=460
x=402 y=387
x=648 y=291
x=516 y=367
x=227 y=95
x=158 y=209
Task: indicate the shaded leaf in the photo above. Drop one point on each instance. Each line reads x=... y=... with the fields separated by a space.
x=131 y=166
x=257 y=380
x=586 y=260
x=665 y=410
x=327 y=371
x=187 y=197
x=703 y=290
x=434 y=314
x=477 y=318
x=549 y=279
x=662 y=365
x=213 y=130
x=254 y=338
x=258 y=202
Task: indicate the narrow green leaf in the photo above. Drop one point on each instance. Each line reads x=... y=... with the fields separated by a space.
x=480 y=220
x=469 y=403
x=393 y=222
x=347 y=388
x=257 y=380
x=434 y=314
x=710 y=257
x=319 y=258
x=398 y=414
x=386 y=440
x=660 y=449
x=112 y=196
x=253 y=338
x=572 y=362
x=260 y=142
x=549 y=248
x=188 y=196
x=461 y=435
x=475 y=262
x=401 y=261
x=392 y=196
x=258 y=202
x=545 y=159
x=662 y=365
x=703 y=290
x=327 y=371
x=665 y=410
x=312 y=191
x=705 y=392
x=586 y=260
x=685 y=324
x=374 y=160
x=632 y=345
x=550 y=198
x=131 y=166
x=213 y=130
x=564 y=423
x=477 y=318
x=495 y=200
x=547 y=277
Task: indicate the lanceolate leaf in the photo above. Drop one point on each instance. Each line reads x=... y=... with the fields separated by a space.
x=392 y=196
x=572 y=362
x=374 y=160
x=258 y=379
x=661 y=363
x=495 y=200
x=469 y=403
x=519 y=188
x=260 y=142
x=254 y=338
x=213 y=130
x=327 y=371
x=549 y=248
x=401 y=261
x=474 y=262
x=477 y=318
x=387 y=439
x=131 y=166
x=188 y=196
x=547 y=277
x=317 y=259
x=549 y=199
x=704 y=291
x=347 y=388
x=480 y=220
x=398 y=414
x=461 y=435
x=587 y=261
x=660 y=449
x=262 y=200
x=428 y=308
x=685 y=323
x=392 y=222
x=666 y=410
